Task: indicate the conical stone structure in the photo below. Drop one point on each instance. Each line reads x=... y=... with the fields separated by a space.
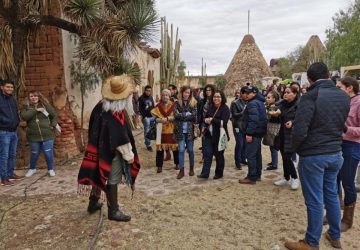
x=247 y=65
x=315 y=50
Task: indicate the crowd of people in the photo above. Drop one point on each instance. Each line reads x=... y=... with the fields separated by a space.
x=316 y=130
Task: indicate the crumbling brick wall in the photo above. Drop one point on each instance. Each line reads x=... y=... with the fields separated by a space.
x=44 y=72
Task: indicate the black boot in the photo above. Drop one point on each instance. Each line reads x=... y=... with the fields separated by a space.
x=113 y=208
x=94 y=203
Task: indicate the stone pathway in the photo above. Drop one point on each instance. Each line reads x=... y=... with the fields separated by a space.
x=148 y=181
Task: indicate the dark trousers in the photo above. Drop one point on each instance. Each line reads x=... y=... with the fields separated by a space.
x=351 y=155
x=253 y=155
x=210 y=150
x=239 y=153
x=160 y=158
x=288 y=166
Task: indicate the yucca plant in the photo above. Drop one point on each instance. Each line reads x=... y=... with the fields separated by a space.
x=106 y=29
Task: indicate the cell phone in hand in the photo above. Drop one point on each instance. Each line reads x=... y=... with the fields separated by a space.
x=45 y=113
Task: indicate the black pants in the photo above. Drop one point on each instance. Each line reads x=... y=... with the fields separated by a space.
x=210 y=150
x=288 y=166
x=160 y=158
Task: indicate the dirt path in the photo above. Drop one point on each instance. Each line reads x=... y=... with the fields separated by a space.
x=167 y=213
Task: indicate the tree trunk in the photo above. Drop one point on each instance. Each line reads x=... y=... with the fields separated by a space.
x=20 y=40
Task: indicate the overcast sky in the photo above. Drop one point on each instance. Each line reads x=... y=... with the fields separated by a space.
x=213 y=29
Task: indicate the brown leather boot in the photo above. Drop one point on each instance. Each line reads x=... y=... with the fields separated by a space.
x=180 y=174
x=300 y=245
x=333 y=243
x=159 y=170
x=348 y=217
x=191 y=171
x=113 y=207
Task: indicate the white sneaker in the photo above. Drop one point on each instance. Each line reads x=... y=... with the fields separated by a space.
x=294 y=184
x=52 y=173
x=281 y=182
x=30 y=172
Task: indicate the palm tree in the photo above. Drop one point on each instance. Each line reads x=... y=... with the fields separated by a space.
x=107 y=30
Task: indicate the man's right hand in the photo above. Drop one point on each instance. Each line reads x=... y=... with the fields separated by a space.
x=130 y=161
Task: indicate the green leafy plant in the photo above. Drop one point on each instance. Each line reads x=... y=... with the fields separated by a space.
x=343 y=39
x=107 y=30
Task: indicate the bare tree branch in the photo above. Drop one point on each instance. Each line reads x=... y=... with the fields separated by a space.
x=53 y=21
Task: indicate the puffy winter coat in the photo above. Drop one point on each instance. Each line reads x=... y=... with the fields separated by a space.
x=39 y=126
x=320 y=119
x=254 y=121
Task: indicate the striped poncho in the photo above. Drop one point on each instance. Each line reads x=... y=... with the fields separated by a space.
x=107 y=131
x=167 y=140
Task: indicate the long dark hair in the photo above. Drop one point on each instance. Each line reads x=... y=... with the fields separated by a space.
x=294 y=90
x=212 y=87
x=223 y=97
x=348 y=81
x=275 y=95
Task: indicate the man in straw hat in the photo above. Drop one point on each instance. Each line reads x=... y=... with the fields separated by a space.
x=111 y=152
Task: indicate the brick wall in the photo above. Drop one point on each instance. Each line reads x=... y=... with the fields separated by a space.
x=44 y=72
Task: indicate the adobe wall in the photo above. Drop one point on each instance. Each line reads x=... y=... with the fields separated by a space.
x=194 y=81
x=44 y=72
x=144 y=60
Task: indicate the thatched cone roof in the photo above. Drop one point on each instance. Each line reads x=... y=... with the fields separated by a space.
x=247 y=65
x=315 y=48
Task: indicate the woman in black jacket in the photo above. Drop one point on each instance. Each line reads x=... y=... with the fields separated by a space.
x=185 y=116
x=217 y=113
x=273 y=114
x=288 y=108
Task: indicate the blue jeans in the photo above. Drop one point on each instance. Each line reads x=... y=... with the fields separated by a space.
x=274 y=156
x=239 y=154
x=8 y=144
x=190 y=148
x=254 y=158
x=318 y=182
x=45 y=146
x=210 y=150
x=351 y=154
x=147 y=121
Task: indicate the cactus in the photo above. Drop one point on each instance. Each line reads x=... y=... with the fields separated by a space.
x=169 y=53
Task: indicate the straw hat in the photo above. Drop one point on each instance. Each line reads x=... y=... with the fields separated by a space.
x=117 y=87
